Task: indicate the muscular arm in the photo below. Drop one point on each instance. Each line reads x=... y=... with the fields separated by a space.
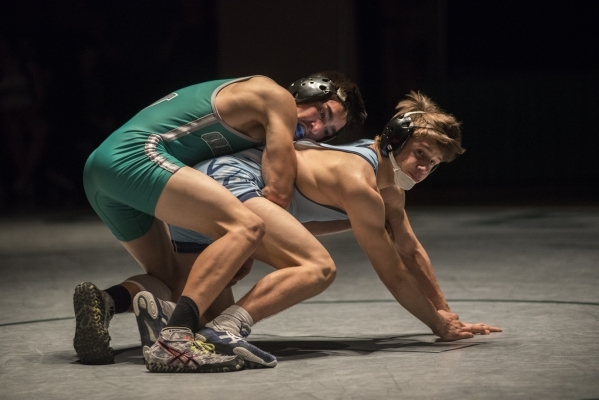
x=367 y=216
x=411 y=251
x=279 y=165
x=266 y=111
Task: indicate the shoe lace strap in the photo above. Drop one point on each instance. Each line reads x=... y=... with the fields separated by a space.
x=245 y=330
x=203 y=347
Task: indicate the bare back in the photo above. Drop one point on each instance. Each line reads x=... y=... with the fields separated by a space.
x=328 y=176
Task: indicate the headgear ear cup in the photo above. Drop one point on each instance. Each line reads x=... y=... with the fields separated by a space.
x=396 y=133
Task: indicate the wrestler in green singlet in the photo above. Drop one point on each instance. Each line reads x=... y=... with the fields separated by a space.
x=125 y=175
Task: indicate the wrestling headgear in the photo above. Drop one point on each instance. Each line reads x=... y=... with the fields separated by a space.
x=315 y=88
x=396 y=133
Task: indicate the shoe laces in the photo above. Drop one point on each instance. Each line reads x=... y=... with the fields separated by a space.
x=245 y=330
x=202 y=347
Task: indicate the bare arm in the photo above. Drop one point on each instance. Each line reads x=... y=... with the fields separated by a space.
x=417 y=261
x=279 y=165
x=370 y=232
x=263 y=110
x=411 y=251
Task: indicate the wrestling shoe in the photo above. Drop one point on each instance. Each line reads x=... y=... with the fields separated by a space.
x=152 y=314
x=176 y=350
x=94 y=309
x=227 y=343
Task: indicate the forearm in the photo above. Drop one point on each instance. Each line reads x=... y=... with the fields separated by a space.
x=421 y=268
x=279 y=170
x=371 y=233
x=404 y=287
x=413 y=254
x=406 y=290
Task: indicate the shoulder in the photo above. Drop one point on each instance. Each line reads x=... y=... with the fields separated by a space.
x=265 y=89
x=353 y=174
x=258 y=98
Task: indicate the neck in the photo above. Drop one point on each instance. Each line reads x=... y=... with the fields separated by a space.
x=384 y=177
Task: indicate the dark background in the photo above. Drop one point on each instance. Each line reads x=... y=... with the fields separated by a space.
x=523 y=77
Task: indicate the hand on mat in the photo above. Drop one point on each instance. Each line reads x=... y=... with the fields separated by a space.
x=452 y=329
x=245 y=269
x=480 y=327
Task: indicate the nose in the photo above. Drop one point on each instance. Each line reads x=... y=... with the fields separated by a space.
x=317 y=130
x=424 y=167
x=317 y=127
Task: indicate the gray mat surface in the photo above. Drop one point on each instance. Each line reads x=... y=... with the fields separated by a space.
x=532 y=271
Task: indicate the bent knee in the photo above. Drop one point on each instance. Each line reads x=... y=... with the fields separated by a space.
x=251 y=229
x=324 y=272
x=329 y=272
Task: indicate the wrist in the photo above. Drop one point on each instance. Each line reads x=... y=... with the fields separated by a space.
x=438 y=324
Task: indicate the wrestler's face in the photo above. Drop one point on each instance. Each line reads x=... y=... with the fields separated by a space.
x=418 y=158
x=321 y=119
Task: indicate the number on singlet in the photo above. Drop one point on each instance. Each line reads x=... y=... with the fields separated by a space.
x=217 y=143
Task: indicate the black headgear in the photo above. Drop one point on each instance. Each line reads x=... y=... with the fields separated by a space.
x=314 y=88
x=396 y=133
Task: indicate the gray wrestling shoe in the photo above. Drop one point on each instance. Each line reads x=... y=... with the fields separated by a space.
x=176 y=350
x=227 y=343
x=152 y=314
x=94 y=309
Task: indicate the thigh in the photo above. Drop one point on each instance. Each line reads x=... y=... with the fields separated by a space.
x=286 y=242
x=194 y=201
x=123 y=185
x=126 y=223
x=154 y=253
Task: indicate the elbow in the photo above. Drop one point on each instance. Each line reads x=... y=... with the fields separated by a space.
x=282 y=200
x=280 y=197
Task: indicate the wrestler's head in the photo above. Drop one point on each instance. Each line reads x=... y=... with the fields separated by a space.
x=418 y=138
x=328 y=105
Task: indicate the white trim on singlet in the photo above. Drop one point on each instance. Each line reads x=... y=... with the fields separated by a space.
x=219 y=118
x=150 y=151
x=190 y=127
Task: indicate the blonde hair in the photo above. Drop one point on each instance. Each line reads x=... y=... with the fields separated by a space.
x=434 y=124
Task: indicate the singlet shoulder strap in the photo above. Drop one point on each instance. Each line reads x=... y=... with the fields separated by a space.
x=361 y=148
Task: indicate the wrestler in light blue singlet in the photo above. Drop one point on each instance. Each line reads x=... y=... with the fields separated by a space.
x=241 y=173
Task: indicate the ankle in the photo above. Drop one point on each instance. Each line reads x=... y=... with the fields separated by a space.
x=186 y=314
x=235 y=320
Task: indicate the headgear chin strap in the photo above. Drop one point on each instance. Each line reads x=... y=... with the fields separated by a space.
x=396 y=133
x=315 y=88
